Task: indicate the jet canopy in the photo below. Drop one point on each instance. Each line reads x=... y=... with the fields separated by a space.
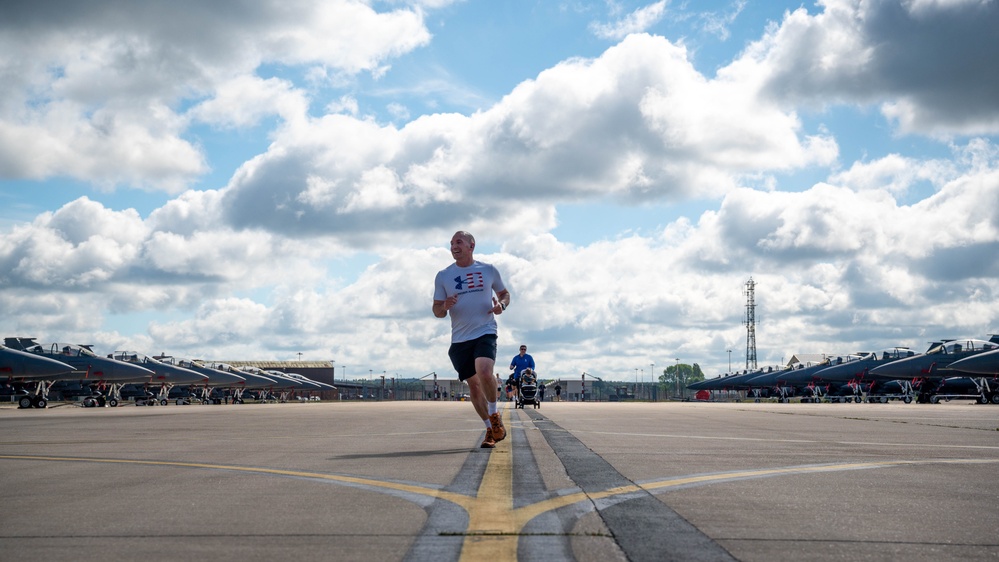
x=954 y=347
x=68 y=349
x=889 y=354
x=132 y=357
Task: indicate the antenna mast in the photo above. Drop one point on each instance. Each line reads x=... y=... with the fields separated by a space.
x=751 y=325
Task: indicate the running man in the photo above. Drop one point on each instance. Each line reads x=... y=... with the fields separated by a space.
x=465 y=290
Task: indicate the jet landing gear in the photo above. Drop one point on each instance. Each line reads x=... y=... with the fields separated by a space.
x=986 y=394
x=32 y=402
x=37 y=400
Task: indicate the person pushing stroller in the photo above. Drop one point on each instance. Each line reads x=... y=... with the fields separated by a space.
x=520 y=362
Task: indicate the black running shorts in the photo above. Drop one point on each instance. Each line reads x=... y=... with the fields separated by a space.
x=463 y=354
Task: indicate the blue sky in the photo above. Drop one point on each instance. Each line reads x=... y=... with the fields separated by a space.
x=251 y=182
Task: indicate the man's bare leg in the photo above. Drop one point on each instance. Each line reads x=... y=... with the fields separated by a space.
x=484 y=374
x=477 y=394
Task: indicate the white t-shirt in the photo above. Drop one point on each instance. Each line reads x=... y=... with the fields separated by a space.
x=471 y=316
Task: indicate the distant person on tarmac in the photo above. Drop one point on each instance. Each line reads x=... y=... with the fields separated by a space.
x=520 y=362
x=464 y=291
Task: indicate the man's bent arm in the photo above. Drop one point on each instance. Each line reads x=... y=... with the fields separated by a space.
x=504 y=298
x=440 y=311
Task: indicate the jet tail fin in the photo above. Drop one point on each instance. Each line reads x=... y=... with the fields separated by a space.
x=21 y=344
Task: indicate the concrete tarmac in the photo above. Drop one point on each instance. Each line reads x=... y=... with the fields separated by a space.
x=572 y=481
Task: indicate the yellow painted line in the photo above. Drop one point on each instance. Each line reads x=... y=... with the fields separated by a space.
x=459 y=499
x=493 y=531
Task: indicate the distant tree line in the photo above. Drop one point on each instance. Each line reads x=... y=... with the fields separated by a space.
x=675 y=378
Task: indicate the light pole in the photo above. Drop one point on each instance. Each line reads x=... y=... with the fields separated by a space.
x=678 y=377
x=652 y=374
x=730 y=361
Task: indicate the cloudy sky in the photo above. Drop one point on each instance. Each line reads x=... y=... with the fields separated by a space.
x=253 y=180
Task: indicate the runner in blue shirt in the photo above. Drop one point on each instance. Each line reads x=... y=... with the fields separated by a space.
x=520 y=362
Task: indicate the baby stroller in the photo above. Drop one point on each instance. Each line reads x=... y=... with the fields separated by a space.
x=528 y=389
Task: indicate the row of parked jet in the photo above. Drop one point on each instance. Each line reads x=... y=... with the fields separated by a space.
x=26 y=364
x=949 y=369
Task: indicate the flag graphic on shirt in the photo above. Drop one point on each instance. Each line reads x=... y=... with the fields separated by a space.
x=472 y=280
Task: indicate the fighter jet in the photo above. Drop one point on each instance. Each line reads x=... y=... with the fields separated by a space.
x=87 y=366
x=816 y=388
x=923 y=373
x=83 y=360
x=251 y=381
x=284 y=385
x=736 y=381
x=985 y=370
x=164 y=374
x=788 y=382
x=321 y=385
x=850 y=374
x=23 y=365
x=216 y=378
